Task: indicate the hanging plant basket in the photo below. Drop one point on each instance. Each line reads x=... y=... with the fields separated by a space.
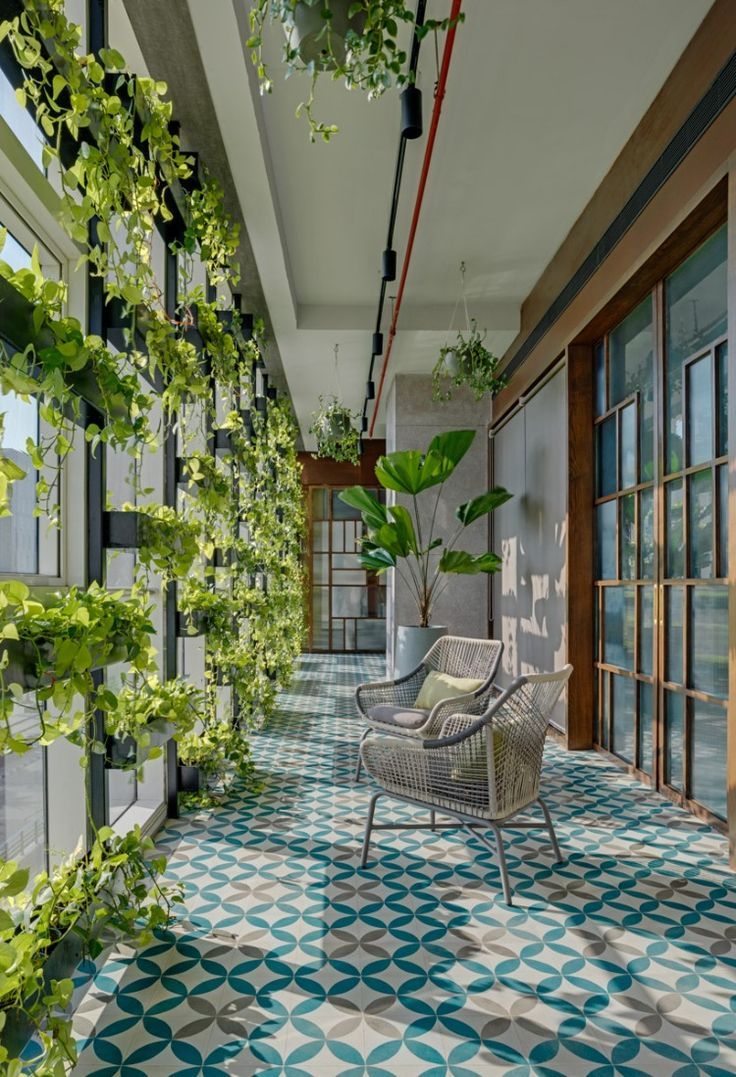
x=466 y=364
x=337 y=437
x=321 y=41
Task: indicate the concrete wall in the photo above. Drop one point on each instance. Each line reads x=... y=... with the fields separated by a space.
x=412 y=420
x=529 y=610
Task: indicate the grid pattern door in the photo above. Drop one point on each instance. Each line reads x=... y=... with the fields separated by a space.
x=347 y=603
x=661 y=529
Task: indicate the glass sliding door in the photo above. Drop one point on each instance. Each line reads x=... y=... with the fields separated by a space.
x=695 y=502
x=347 y=604
x=661 y=533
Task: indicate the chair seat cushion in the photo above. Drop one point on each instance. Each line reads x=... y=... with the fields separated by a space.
x=401 y=717
x=440 y=686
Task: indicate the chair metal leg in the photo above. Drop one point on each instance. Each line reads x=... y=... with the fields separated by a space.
x=359 y=767
x=433 y=819
x=368 y=828
x=551 y=829
x=498 y=849
x=502 y=863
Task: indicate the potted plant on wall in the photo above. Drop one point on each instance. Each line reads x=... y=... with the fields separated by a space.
x=405 y=538
x=333 y=428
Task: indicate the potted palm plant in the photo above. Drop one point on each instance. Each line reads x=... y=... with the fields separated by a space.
x=398 y=537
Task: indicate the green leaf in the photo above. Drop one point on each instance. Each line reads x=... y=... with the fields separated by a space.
x=367 y=504
x=405 y=527
x=462 y=563
x=451 y=447
x=377 y=559
x=479 y=506
x=15 y=884
x=401 y=471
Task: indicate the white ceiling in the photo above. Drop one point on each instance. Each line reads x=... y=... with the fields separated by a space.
x=542 y=96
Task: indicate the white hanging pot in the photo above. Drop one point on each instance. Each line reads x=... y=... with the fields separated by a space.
x=451 y=364
x=308 y=32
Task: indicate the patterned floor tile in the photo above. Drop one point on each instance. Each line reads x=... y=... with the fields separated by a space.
x=289 y=960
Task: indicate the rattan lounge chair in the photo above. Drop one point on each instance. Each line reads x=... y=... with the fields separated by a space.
x=481 y=771
x=388 y=706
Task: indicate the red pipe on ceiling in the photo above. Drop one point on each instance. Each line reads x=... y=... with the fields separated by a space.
x=428 y=151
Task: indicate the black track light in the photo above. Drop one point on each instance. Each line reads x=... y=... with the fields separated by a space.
x=272 y=392
x=388 y=264
x=411 y=112
x=370 y=391
x=378 y=343
x=246 y=325
x=364 y=424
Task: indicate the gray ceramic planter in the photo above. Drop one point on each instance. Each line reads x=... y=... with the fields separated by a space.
x=412 y=643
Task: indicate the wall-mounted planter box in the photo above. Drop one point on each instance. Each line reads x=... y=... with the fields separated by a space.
x=23 y=661
x=190 y=624
x=189 y=779
x=223 y=440
x=261 y=405
x=223 y=558
x=121 y=530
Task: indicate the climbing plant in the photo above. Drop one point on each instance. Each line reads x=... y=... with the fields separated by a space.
x=121 y=170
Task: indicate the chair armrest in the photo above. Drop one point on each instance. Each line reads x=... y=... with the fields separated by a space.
x=476 y=724
x=401 y=692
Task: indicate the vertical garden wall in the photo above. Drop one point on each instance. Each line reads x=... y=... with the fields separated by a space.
x=165 y=467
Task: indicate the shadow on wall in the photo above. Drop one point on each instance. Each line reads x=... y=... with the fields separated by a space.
x=530 y=533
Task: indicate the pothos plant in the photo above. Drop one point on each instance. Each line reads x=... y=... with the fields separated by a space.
x=466 y=363
x=333 y=426
x=146 y=707
x=356 y=41
x=111 y=892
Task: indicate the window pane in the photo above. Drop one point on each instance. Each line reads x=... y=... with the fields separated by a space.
x=631 y=347
x=695 y=304
x=674 y=529
x=320 y=567
x=370 y=635
x=19 y=532
x=673 y=738
x=618 y=646
x=627 y=463
x=628 y=537
x=341 y=511
x=600 y=378
x=607 y=457
x=646 y=535
x=723 y=518
x=20 y=121
x=700 y=411
x=23 y=809
x=606 y=514
x=605 y=684
x=708 y=756
x=320 y=536
x=646 y=630
x=646 y=727
x=673 y=624
x=622 y=730
x=319 y=503
x=700 y=509
x=708 y=640
x=722 y=398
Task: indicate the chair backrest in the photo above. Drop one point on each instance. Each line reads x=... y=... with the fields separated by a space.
x=461 y=656
x=515 y=736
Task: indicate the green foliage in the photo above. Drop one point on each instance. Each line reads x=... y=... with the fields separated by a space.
x=52 y=649
x=150 y=706
x=337 y=437
x=369 y=58
x=168 y=543
x=466 y=363
x=395 y=536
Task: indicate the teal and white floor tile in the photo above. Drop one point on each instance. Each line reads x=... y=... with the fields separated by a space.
x=288 y=959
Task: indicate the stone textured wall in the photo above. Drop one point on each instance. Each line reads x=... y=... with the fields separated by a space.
x=412 y=420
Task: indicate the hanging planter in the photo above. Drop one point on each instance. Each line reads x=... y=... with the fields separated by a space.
x=355 y=41
x=333 y=428
x=466 y=363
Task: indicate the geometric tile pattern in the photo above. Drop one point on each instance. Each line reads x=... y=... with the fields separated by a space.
x=288 y=959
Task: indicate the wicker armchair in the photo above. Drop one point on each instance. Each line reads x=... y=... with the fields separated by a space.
x=388 y=706
x=480 y=771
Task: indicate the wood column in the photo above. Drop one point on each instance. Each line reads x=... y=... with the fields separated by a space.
x=580 y=545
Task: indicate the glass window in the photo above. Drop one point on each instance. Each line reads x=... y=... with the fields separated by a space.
x=607 y=540
x=700 y=411
x=646 y=727
x=723 y=518
x=708 y=756
x=622 y=730
x=600 y=378
x=627 y=464
x=628 y=536
x=23 y=835
x=607 y=457
x=631 y=368
x=674 y=738
x=674 y=598
x=708 y=640
x=19 y=532
x=700 y=511
x=619 y=617
x=722 y=398
x=674 y=529
x=646 y=535
x=695 y=307
x=646 y=630
x=21 y=122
